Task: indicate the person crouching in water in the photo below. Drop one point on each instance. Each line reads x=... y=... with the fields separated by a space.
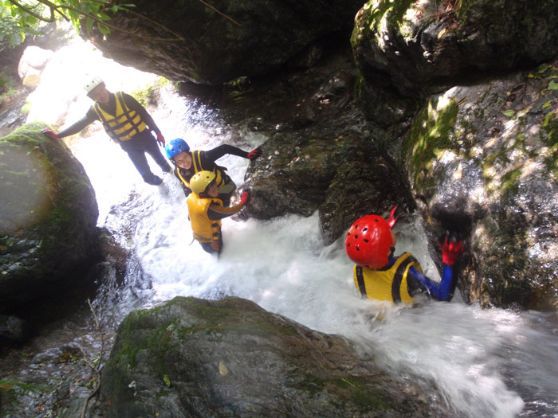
x=206 y=209
x=187 y=163
x=380 y=275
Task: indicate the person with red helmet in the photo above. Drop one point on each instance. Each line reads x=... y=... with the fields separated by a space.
x=378 y=274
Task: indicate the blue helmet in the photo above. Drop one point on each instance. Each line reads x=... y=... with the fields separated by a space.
x=175 y=147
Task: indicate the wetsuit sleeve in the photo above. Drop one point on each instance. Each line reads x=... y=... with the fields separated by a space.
x=218 y=152
x=90 y=117
x=216 y=212
x=133 y=104
x=442 y=291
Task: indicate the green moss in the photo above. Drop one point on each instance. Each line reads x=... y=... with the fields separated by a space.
x=148 y=95
x=27 y=134
x=550 y=127
x=362 y=395
x=429 y=136
x=354 y=390
x=510 y=181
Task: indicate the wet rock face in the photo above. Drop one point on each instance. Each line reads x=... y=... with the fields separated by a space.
x=189 y=40
x=321 y=152
x=420 y=46
x=343 y=177
x=193 y=357
x=406 y=49
x=48 y=216
x=484 y=161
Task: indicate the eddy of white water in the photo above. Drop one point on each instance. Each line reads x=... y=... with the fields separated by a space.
x=485 y=363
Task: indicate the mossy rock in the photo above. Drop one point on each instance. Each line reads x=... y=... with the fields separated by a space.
x=48 y=216
x=483 y=160
x=193 y=357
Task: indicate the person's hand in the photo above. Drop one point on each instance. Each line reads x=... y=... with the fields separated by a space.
x=244 y=197
x=451 y=250
x=255 y=153
x=392 y=218
x=160 y=139
x=50 y=133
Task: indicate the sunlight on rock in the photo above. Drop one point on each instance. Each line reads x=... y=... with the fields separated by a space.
x=458 y=173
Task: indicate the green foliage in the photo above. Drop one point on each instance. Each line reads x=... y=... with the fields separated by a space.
x=19 y=18
x=7 y=89
x=149 y=95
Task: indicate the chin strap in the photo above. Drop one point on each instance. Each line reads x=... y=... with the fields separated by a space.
x=391 y=220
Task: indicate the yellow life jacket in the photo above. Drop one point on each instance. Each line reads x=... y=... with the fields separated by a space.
x=390 y=284
x=125 y=123
x=205 y=230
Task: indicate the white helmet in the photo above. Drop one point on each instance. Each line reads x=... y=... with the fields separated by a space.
x=91 y=83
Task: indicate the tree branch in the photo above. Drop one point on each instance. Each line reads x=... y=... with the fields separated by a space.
x=32 y=12
x=219 y=12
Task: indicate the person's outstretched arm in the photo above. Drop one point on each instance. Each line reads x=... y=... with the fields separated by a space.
x=224 y=149
x=90 y=117
x=216 y=212
x=442 y=291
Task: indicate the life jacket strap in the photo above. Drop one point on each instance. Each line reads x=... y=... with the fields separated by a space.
x=398 y=278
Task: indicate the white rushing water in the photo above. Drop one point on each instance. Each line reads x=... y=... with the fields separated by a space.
x=486 y=363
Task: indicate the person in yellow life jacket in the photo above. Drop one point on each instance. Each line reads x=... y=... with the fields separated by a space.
x=380 y=275
x=205 y=210
x=127 y=122
x=189 y=162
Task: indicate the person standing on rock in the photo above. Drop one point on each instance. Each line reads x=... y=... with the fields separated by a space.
x=187 y=163
x=206 y=209
x=380 y=275
x=127 y=122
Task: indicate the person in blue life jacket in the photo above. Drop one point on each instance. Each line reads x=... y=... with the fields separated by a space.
x=379 y=274
x=127 y=122
x=189 y=162
x=206 y=209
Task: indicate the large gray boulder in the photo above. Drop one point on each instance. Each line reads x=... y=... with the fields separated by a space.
x=193 y=357
x=213 y=43
x=483 y=160
x=48 y=216
x=343 y=177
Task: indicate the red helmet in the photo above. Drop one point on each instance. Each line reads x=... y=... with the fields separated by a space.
x=369 y=241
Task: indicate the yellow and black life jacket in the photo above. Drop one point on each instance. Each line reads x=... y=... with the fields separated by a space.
x=205 y=230
x=182 y=178
x=198 y=166
x=125 y=123
x=390 y=284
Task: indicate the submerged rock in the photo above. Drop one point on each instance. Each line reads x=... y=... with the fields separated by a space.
x=48 y=216
x=193 y=357
x=484 y=160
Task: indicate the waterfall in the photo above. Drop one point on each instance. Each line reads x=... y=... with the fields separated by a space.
x=485 y=363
